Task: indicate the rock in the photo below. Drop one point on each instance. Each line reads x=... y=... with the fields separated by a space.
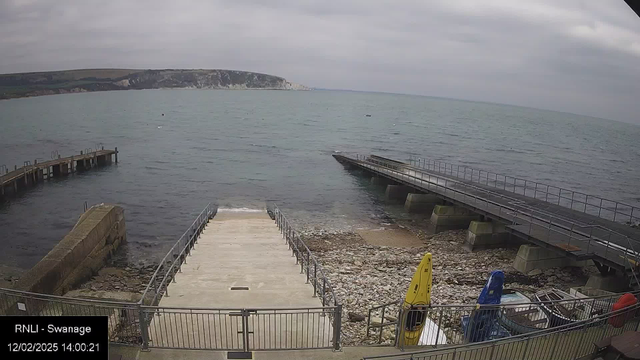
x=534 y=272
x=385 y=281
x=355 y=317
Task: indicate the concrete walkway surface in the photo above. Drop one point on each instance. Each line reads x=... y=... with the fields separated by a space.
x=241 y=261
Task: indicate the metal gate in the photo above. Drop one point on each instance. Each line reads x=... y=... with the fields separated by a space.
x=241 y=329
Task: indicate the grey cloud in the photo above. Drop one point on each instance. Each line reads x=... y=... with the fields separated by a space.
x=576 y=56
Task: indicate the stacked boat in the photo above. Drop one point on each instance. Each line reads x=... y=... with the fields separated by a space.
x=519 y=314
x=499 y=312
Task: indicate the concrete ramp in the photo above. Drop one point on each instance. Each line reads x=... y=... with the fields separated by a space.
x=239 y=250
x=241 y=289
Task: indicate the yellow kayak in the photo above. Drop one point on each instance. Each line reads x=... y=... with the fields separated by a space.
x=417 y=300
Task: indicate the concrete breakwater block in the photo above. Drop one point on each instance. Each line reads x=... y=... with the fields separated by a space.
x=446 y=217
x=533 y=257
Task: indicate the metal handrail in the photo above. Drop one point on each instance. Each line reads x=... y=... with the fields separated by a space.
x=295 y=242
x=547 y=223
x=184 y=247
x=636 y=255
x=481 y=306
x=492 y=179
x=458 y=309
x=580 y=325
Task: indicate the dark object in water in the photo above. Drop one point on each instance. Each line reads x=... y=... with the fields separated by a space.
x=368 y=115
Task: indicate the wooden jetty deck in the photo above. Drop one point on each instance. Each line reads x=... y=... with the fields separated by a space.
x=30 y=174
x=529 y=215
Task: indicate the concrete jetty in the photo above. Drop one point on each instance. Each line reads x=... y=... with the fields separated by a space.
x=240 y=261
x=243 y=290
x=32 y=173
x=566 y=224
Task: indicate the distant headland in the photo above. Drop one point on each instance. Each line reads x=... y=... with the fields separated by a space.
x=84 y=80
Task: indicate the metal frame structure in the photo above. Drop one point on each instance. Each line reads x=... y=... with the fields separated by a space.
x=543 y=228
x=447 y=317
x=567 y=342
x=241 y=329
x=308 y=262
x=574 y=200
x=175 y=257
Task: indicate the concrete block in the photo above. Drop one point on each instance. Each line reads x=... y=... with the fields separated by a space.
x=533 y=257
x=421 y=203
x=446 y=217
x=481 y=227
x=396 y=193
x=483 y=235
x=612 y=283
x=79 y=253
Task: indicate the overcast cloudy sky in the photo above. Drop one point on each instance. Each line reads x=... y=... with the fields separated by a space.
x=569 y=55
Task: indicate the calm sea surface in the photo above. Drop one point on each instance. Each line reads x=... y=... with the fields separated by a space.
x=239 y=148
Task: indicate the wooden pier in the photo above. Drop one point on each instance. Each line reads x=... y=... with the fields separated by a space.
x=30 y=174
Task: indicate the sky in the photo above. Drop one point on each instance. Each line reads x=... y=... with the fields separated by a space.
x=578 y=56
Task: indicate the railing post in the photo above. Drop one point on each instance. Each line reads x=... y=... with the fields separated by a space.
x=546 y=198
x=400 y=333
x=337 y=324
x=324 y=288
x=384 y=309
x=308 y=264
x=572 y=195
x=439 y=324
x=315 y=279
x=571 y=233
x=301 y=257
x=245 y=330
x=606 y=250
x=599 y=209
x=144 y=330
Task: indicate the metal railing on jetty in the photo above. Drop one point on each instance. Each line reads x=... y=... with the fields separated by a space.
x=175 y=257
x=566 y=342
x=608 y=246
x=574 y=200
x=305 y=258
